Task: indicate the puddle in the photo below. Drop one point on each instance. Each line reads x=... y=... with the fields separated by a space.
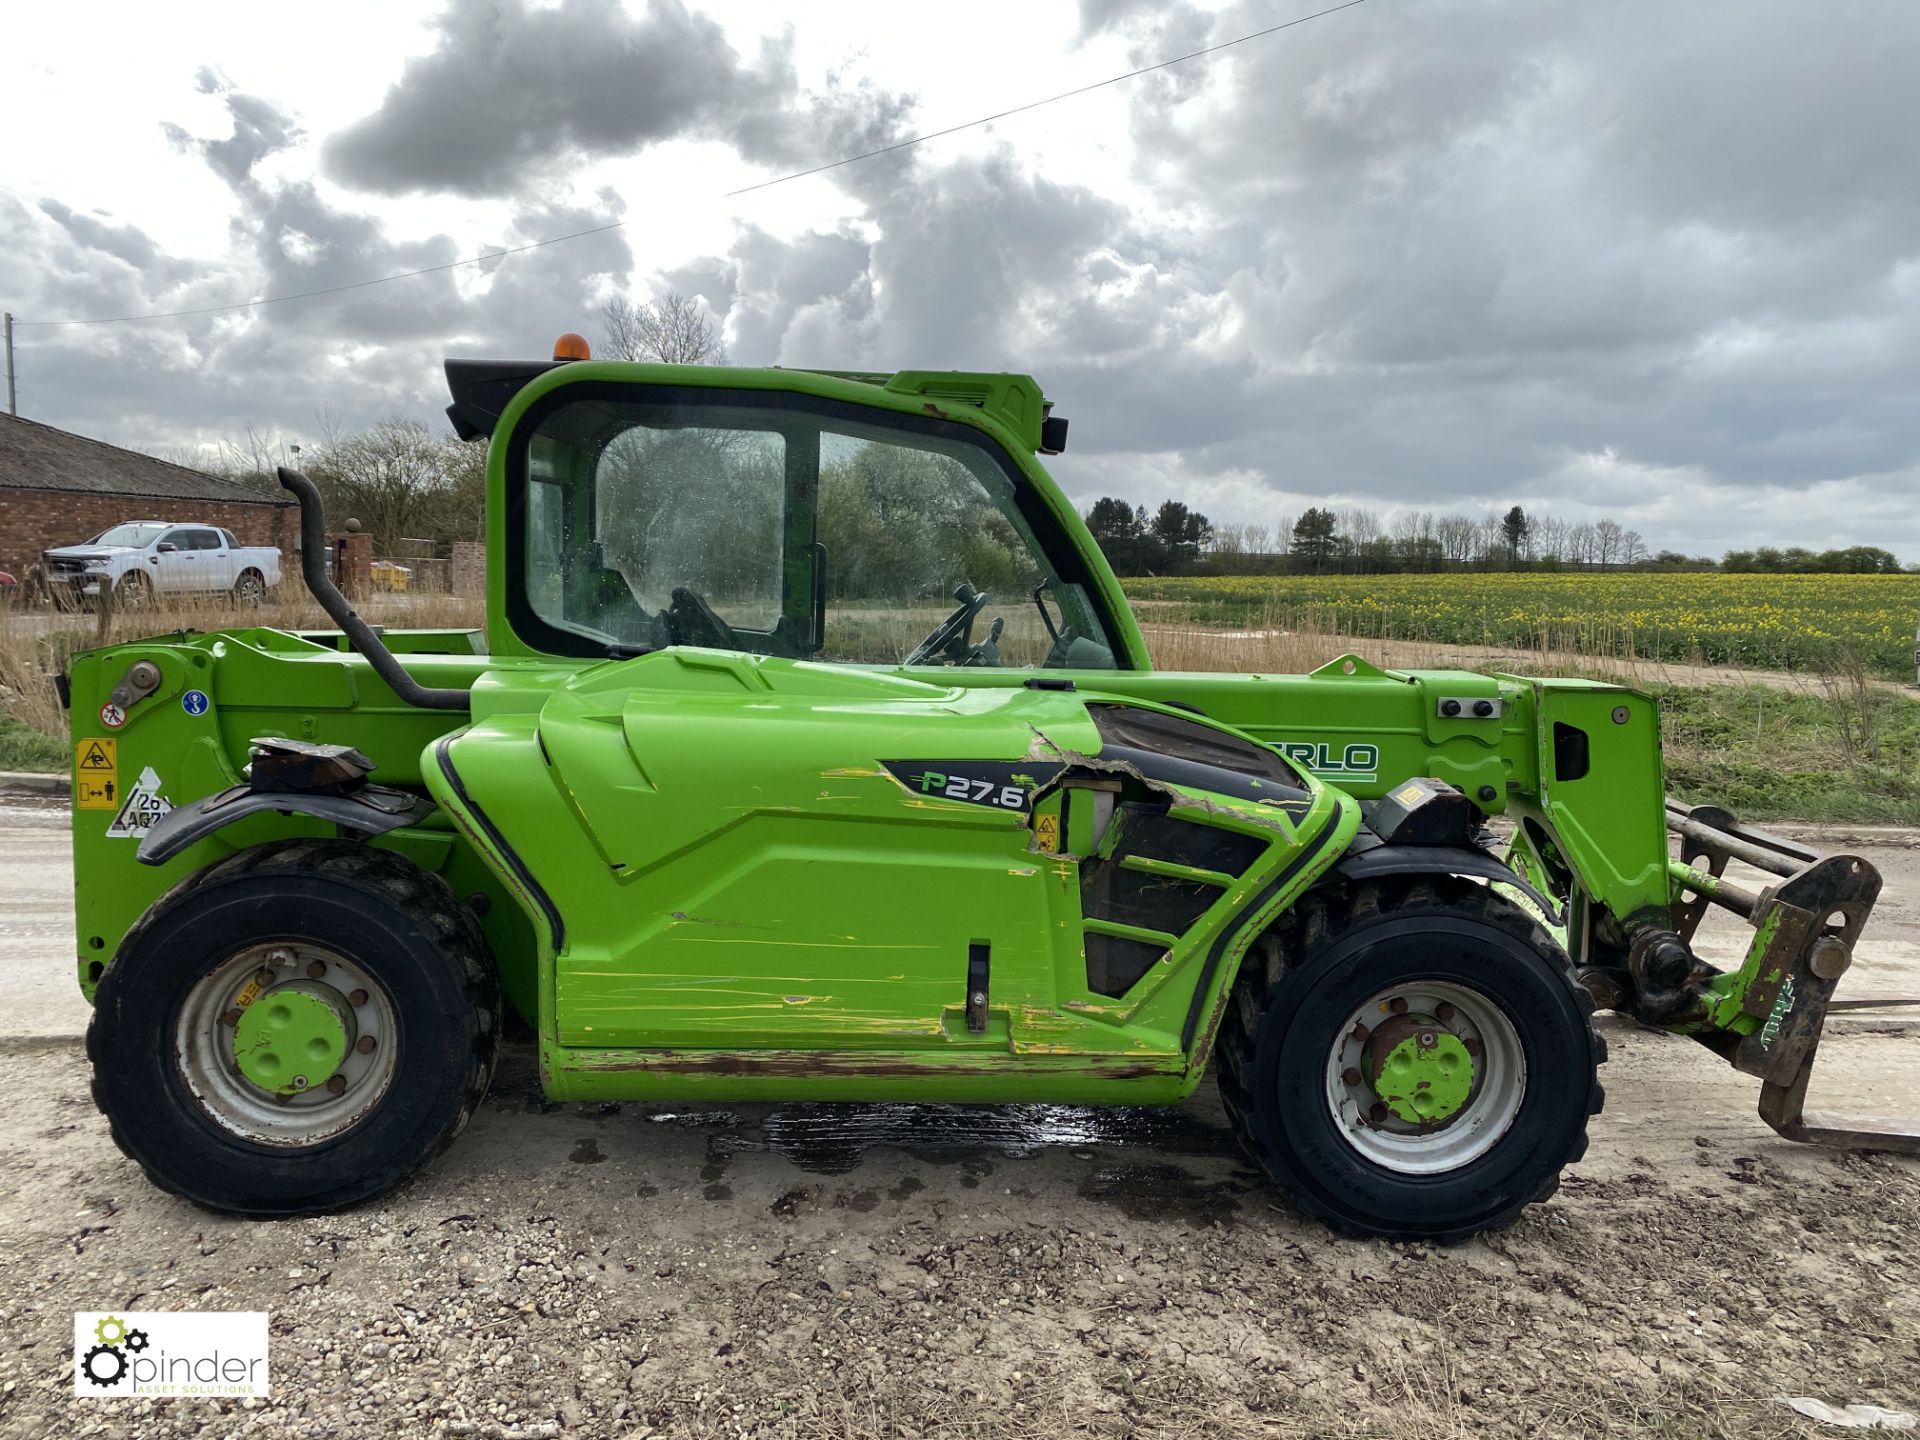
x=834 y=1139
x=824 y=1139
x=1163 y=1193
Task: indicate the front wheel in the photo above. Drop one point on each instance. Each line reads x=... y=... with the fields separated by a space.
x=1412 y=1061
x=133 y=591
x=295 y=1029
x=249 y=590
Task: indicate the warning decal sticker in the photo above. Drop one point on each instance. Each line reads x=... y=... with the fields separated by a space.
x=96 y=774
x=143 y=806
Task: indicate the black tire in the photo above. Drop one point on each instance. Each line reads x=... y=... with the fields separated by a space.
x=249 y=590
x=133 y=591
x=1334 y=953
x=398 y=923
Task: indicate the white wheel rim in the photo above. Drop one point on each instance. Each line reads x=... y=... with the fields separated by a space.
x=1500 y=1080
x=203 y=1048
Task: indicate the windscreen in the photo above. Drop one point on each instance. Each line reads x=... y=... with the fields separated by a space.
x=133 y=535
x=768 y=524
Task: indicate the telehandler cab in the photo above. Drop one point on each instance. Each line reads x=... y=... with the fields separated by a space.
x=810 y=752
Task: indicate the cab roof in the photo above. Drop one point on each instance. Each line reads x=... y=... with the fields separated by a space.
x=482 y=390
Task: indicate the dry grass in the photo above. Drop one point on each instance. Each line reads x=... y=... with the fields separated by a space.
x=1277 y=650
x=1834 y=745
x=35 y=643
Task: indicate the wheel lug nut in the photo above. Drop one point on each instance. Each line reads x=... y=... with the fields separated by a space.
x=1472 y=1046
x=1398 y=1005
x=1360 y=1033
x=1378 y=1114
x=1443 y=1011
x=364 y=1044
x=337 y=1085
x=232 y=1017
x=263 y=976
x=316 y=968
x=1350 y=1076
x=357 y=998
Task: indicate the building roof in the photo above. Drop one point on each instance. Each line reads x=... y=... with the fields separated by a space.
x=38 y=457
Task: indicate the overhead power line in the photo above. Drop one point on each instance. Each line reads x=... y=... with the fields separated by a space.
x=1036 y=104
x=728 y=195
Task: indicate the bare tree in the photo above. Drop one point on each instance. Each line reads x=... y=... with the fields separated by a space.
x=673 y=330
x=1413 y=539
x=1456 y=534
x=394 y=479
x=1550 y=534
x=1608 y=543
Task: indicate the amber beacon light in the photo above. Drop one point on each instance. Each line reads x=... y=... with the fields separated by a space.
x=572 y=347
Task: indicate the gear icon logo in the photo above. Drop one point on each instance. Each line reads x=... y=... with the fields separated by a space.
x=136 y=1340
x=110 y=1330
x=104 y=1365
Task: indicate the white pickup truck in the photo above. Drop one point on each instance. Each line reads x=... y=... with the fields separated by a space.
x=143 y=558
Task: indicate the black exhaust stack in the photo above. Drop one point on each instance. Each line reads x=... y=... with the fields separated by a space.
x=313 y=569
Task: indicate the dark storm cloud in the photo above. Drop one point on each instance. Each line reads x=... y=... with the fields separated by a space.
x=127 y=243
x=1455 y=254
x=353 y=356
x=1656 y=261
x=511 y=93
x=259 y=129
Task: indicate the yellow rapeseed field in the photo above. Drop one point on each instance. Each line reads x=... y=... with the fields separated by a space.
x=1776 y=622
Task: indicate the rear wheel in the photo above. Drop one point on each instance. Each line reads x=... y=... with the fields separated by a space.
x=295 y=1029
x=1411 y=1062
x=249 y=589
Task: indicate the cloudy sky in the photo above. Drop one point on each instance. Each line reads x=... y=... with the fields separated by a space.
x=1650 y=260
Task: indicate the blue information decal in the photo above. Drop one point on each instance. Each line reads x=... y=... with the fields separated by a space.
x=195 y=702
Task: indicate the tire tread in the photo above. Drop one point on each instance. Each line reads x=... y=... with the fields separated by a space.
x=357 y=866
x=1321 y=919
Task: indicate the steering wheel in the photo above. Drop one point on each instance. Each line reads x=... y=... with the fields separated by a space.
x=952 y=638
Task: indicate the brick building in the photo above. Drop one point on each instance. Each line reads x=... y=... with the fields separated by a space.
x=57 y=488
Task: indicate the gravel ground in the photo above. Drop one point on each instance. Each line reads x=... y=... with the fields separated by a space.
x=1027 y=1271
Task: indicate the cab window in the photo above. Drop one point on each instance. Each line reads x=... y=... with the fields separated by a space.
x=784 y=526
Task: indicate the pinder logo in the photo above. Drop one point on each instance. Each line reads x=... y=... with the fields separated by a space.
x=169 y=1352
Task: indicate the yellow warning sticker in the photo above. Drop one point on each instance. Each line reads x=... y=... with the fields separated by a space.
x=95 y=773
x=95 y=792
x=1407 y=794
x=1046 y=829
x=248 y=995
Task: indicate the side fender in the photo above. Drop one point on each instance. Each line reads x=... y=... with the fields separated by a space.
x=370 y=810
x=1461 y=860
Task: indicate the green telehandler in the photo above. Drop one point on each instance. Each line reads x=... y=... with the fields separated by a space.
x=810 y=752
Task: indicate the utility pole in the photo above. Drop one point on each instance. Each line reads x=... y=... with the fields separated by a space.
x=12 y=409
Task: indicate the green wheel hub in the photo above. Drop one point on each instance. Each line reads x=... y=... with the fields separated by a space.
x=1426 y=1077
x=294 y=1037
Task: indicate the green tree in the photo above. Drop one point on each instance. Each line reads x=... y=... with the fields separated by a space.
x=1315 y=538
x=1179 y=534
x=1515 y=526
x=1120 y=531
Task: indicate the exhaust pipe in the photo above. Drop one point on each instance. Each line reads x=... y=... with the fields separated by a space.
x=313 y=569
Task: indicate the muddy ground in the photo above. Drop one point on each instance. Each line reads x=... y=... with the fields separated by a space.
x=901 y=1270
